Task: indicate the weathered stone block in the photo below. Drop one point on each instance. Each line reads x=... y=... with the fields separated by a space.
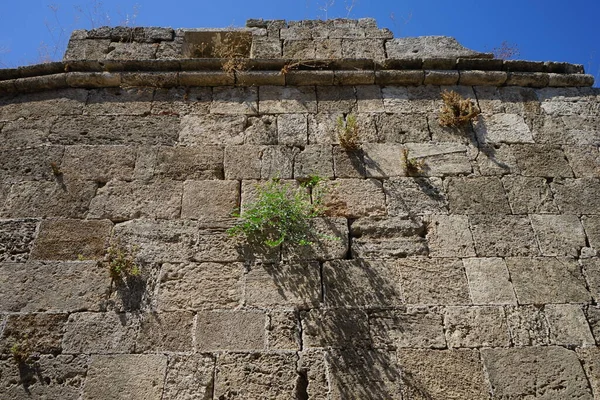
x=257 y=375
x=585 y=160
x=591 y=267
x=121 y=201
x=130 y=376
x=292 y=129
x=366 y=49
x=578 y=130
x=230 y=330
x=449 y=236
x=577 y=196
x=476 y=327
x=496 y=160
x=394 y=237
x=165 y=331
x=283 y=331
x=368 y=99
x=544 y=280
x=323 y=128
x=99 y=163
x=285 y=100
x=198 y=286
x=360 y=283
x=489 y=281
x=336 y=99
x=182 y=100
x=265 y=47
x=278 y=162
x=348 y=164
x=234 y=100
x=210 y=200
x=412 y=327
x=541 y=368
x=590 y=359
x=558 y=235
x=43 y=333
x=261 y=130
x=16 y=239
x=328 y=49
x=131 y=51
x=243 y=162
x=199 y=130
x=353 y=198
x=479 y=195
x=503 y=235
x=70 y=239
x=383 y=160
x=29 y=163
x=66 y=199
x=433 y=281
x=542 y=160
x=42 y=105
x=568 y=325
x=299 y=49
x=100 y=333
x=87 y=49
x=120 y=100
x=417 y=196
x=440 y=159
x=185 y=163
x=26 y=133
x=593 y=316
x=53 y=286
x=402 y=128
x=442 y=374
x=337 y=328
x=189 y=376
x=314 y=160
x=528 y=325
x=503 y=128
x=529 y=195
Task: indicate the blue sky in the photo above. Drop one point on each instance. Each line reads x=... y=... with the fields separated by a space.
x=541 y=29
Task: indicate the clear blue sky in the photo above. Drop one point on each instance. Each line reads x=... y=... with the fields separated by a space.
x=542 y=29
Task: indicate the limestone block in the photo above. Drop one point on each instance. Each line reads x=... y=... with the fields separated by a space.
x=402 y=128
x=348 y=164
x=294 y=77
x=4 y=190
x=593 y=316
x=238 y=330
x=100 y=333
x=121 y=201
x=43 y=104
x=284 y=285
x=336 y=99
x=182 y=100
x=30 y=164
x=352 y=77
x=287 y=100
x=591 y=224
x=489 y=281
x=292 y=129
x=416 y=196
x=63 y=199
x=577 y=130
x=369 y=99
x=585 y=160
x=442 y=374
x=159 y=241
x=198 y=286
x=566 y=101
x=542 y=160
x=411 y=327
x=361 y=283
x=189 y=163
x=433 y=281
x=449 y=236
x=328 y=49
x=503 y=128
x=99 y=163
x=323 y=128
x=278 y=162
x=503 y=235
x=443 y=78
x=283 y=331
x=52 y=286
x=441 y=159
x=131 y=376
x=529 y=195
x=329 y=237
x=542 y=280
x=394 y=237
x=16 y=239
x=568 y=325
x=210 y=200
x=540 y=368
x=577 y=196
x=299 y=49
x=528 y=325
x=334 y=327
x=55 y=377
x=265 y=47
x=383 y=160
x=214 y=244
x=363 y=49
x=87 y=49
x=591 y=268
x=479 y=326
x=243 y=162
x=234 y=100
x=478 y=195
x=26 y=133
x=257 y=375
x=131 y=51
x=43 y=333
x=189 y=376
x=261 y=130
x=69 y=239
x=115 y=101
x=165 y=331
x=115 y=129
x=353 y=198
x=558 y=235
x=590 y=358
x=314 y=160
x=199 y=130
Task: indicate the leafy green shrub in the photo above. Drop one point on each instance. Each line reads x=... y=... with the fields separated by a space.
x=456 y=111
x=280 y=215
x=121 y=261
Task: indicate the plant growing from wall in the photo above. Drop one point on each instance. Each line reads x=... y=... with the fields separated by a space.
x=348 y=132
x=120 y=260
x=232 y=49
x=413 y=165
x=280 y=215
x=21 y=351
x=456 y=111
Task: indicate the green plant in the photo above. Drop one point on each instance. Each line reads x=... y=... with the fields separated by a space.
x=413 y=165
x=348 y=132
x=120 y=260
x=280 y=214
x=456 y=111
x=21 y=351
x=56 y=169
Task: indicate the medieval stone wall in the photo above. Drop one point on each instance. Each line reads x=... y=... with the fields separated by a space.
x=475 y=277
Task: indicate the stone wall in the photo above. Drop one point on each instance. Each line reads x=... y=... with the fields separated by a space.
x=476 y=277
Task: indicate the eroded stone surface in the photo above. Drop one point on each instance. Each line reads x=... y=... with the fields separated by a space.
x=476 y=327
x=100 y=333
x=16 y=239
x=411 y=327
x=449 y=236
x=165 y=331
x=503 y=235
x=489 y=281
x=230 y=330
x=559 y=235
x=189 y=376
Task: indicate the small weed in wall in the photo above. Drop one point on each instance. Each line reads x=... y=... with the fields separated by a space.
x=230 y=48
x=120 y=260
x=413 y=165
x=21 y=351
x=456 y=111
x=280 y=215
x=348 y=132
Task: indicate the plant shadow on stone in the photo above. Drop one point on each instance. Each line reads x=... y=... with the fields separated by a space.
x=27 y=362
x=126 y=274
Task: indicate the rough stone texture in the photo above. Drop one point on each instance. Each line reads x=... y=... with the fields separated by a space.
x=529 y=195
x=489 y=281
x=292 y=129
x=198 y=130
x=286 y=100
x=283 y=331
x=131 y=376
x=544 y=280
x=231 y=330
x=210 y=200
x=568 y=325
x=29 y=163
x=590 y=358
x=429 y=47
x=537 y=160
x=440 y=159
x=577 y=196
x=545 y=372
x=334 y=327
x=100 y=333
x=585 y=160
x=528 y=325
x=503 y=235
x=558 y=235
x=16 y=239
x=353 y=198
x=417 y=196
x=591 y=268
x=476 y=327
x=503 y=128
x=412 y=327
x=165 y=331
x=99 y=163
x=195 y=163
x=234 y=100
x=449 y=236
x=481 y=195
x=189 y=376
x=42 y=333
x=68 y=239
